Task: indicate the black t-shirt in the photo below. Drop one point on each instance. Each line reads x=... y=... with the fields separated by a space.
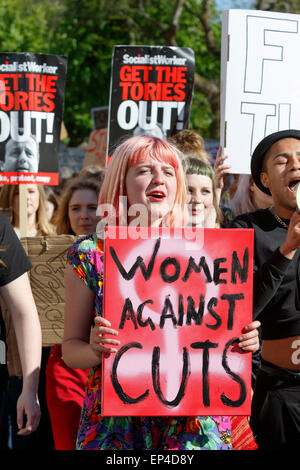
x=13 y=263
x=276 y=281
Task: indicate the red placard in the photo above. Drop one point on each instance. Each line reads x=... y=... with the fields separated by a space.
x=180 y=299
x=51 y=179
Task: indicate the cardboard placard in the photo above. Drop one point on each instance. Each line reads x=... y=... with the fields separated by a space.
x=151 y=91
x=95 y=153
x=48 y=258
x=31 y=109
x=179 y=305
x=260 y=77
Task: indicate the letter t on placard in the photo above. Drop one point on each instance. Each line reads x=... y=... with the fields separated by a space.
x=259 y=113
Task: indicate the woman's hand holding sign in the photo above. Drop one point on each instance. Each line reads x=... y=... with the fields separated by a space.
x=100 y=343
x=249 y=341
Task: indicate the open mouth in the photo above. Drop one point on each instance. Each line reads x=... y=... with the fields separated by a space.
x=197 y=211
x=156 y=195
x=293 y=183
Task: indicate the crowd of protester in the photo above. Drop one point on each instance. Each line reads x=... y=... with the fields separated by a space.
x=59 y=415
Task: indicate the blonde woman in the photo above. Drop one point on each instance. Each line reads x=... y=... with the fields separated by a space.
x=248 y=197
x=65 y=386
x=37 y=220
x=202 y=193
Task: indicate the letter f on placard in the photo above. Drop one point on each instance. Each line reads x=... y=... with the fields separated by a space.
x=265 y=42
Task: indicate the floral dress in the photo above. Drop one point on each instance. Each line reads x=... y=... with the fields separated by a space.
x=133 y=433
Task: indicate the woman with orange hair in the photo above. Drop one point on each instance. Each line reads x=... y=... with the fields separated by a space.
x=145 y=173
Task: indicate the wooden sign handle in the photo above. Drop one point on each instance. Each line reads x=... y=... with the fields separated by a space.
x=23 y=209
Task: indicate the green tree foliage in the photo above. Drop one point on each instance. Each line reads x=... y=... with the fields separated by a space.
x=89 y=31
x=284 y=6
x=86 y=32
x=86 y=35
x=28 y=26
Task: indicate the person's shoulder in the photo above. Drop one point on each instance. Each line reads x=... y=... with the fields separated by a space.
x=4 y=220
x=6 y=229
x=86 y=244
x=251 y=219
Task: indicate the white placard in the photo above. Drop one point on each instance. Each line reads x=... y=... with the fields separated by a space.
x=260 y=80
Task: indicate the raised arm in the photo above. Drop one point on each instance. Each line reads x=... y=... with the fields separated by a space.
x=18 y=298
x=268 y=277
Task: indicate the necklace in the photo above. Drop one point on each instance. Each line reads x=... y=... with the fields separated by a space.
x=272 y=210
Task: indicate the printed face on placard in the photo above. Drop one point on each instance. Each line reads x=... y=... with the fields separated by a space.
x=21 y=156
x=178 y=310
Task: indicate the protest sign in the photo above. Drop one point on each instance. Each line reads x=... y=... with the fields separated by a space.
x=95 y=153
x=48 y=258
x=260 y=75
x=99 y=117
x=31 y=108
x=179 y=306
x=150 y=92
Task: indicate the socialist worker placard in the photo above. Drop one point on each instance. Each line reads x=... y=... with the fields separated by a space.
x=31 y=109
x=151 y=91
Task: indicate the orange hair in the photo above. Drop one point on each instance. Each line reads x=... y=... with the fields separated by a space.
x=128 y=154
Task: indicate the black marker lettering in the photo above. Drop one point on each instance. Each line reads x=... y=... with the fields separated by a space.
x=213 y=303
x=114 y=376
x=139 y=263
x=236 y=267
x=180 y=310
x=168 y=307
x=186 y=371
x=191 y=313
x=227 y=401
x=197 y=269
x=218 y=271
x=128 y=314
x=140 y=313
x=231 y=299
x=206 y=345
x=166 y=277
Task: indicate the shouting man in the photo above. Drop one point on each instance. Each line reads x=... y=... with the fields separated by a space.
x=275 y=168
